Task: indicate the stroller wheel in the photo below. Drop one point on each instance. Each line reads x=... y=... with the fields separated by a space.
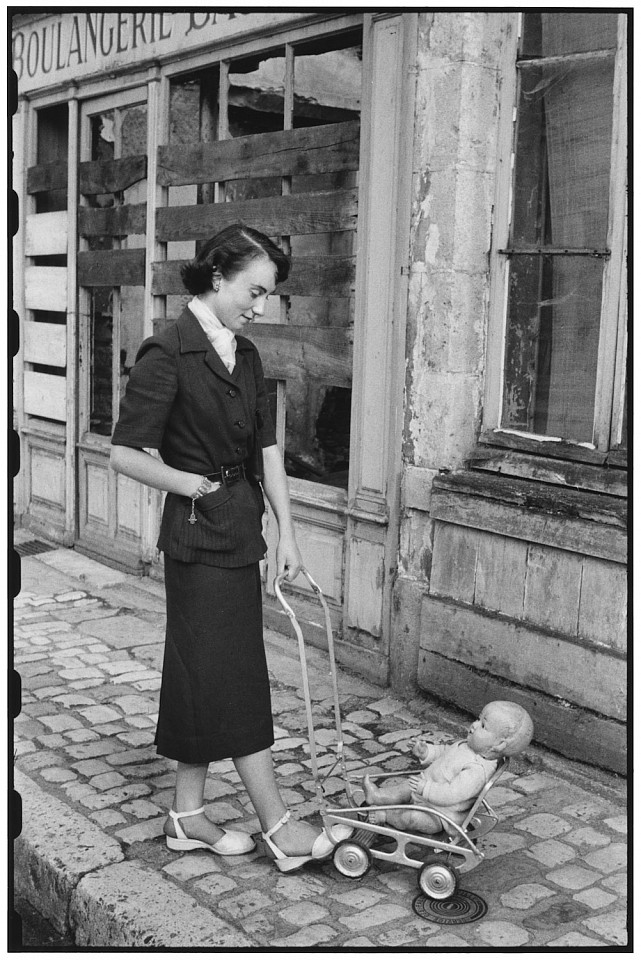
x=351 y=859
x=437 y=880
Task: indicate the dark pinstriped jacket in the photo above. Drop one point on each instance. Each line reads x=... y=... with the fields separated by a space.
x=182 y=401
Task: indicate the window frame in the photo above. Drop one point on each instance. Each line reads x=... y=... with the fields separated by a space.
x=609 y=392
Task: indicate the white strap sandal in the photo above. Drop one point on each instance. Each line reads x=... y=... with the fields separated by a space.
x=321 y=849
x=233 y=843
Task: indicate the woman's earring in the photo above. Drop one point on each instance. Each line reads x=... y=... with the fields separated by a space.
x=215 y=286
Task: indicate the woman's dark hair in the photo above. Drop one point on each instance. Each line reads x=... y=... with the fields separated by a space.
x=228 y=253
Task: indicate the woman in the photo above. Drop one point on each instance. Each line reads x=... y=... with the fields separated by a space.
x=197 y=394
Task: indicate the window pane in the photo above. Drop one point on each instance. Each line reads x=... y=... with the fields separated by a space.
x=317 y=430
x=562 y=173
x=101 y=347
x=554 y=34
x=52 y=148
x=554 y=310
x=256 y=105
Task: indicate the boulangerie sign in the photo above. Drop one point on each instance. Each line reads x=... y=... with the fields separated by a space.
x=51 y=50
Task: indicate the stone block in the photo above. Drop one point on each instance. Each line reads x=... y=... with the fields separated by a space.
x=99 y=714
x=375 y=916
x=552 y=853
x=611 y=926
x=608 y=859
x=526 y=895
x=56 y=848
x=595 y=898
x=152 y=914
x=544 y=825
x=573 y=877
x=303 y=914
x=124 y=631
x=134 y=705
x=106 y=781
x=499 y=933
x=190 y=866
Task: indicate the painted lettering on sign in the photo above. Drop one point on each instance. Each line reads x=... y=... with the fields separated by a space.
x=65 y=47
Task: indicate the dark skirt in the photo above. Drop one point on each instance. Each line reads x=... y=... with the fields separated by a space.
x=214 y=698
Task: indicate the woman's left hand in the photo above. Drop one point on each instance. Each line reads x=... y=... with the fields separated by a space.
x=288 y=558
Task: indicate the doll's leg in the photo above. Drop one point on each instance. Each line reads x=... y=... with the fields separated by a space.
x=398 y=793
x=413 y=820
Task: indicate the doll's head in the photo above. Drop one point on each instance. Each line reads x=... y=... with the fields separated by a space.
x=502 y=730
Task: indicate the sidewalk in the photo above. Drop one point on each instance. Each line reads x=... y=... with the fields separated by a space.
x=92 y=859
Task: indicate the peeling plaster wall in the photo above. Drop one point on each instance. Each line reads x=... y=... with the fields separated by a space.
x=456 y=121
x=455 y=155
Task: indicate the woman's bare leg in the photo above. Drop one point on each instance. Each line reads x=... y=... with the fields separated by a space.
x=296 y=837
x=189 y=795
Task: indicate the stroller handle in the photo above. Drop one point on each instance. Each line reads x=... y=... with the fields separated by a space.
x=303 y=662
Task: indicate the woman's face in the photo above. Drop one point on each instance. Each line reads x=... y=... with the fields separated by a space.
x=242 y=298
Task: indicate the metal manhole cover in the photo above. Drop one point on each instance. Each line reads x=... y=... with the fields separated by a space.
x=31 y=547
x=461 y=907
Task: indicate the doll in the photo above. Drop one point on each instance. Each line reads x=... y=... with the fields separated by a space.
x=455 y=773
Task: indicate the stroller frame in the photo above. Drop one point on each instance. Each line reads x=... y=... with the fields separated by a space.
x=440 y=858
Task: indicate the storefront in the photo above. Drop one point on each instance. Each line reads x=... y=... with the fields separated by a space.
x=447 y=361
x=139 y=135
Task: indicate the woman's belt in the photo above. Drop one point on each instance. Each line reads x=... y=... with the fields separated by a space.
x=228 y=475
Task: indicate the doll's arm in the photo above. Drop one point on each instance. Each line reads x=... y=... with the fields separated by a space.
x=425 y=752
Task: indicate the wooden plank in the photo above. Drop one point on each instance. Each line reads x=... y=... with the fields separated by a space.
x=45 y=395
x=112 y=221
x=618 y=458
x=128 y=501
x=47 y=475
x=500 y=574
x=584 y=675
x=45 y=343
x=46 y=234
x=111 y=268
x=110 y=176
x=454 y=559
x=366 y=574
x=603 y=604
x=288 y=351
x=549 y=470
x=535 y=496
x=46 y=288
x=307 y=150
x=571 y=731
x=552 y=589
x=47 y=176
x=293 y=215
x=331 y=277
x=543 y=448
x=574 y=534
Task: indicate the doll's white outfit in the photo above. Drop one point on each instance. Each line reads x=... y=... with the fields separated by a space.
x=454 y=777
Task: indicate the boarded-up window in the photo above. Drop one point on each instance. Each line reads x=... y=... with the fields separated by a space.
x=272 y=140
x=112 y=223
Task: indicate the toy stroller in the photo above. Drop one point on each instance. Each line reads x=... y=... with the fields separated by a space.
x=439 y=858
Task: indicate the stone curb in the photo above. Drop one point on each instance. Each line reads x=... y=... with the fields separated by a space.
x=78 y=879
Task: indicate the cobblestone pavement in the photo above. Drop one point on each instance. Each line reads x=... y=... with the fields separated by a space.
x=92 y=859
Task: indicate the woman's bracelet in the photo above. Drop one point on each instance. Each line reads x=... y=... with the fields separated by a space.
x=206 y=486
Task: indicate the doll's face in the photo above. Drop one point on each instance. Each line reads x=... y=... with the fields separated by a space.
x=242 y=298
x=489 y=732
